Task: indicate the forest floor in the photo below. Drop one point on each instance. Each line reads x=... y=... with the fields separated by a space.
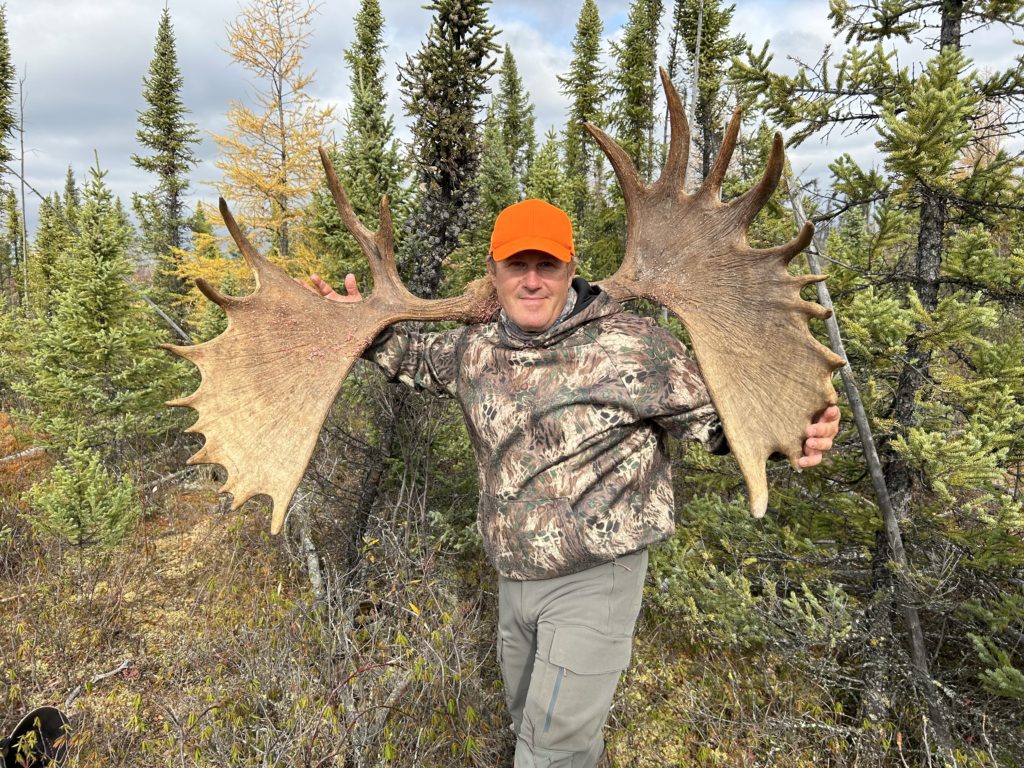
x=197 y=642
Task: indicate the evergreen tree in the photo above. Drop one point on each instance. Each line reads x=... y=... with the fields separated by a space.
x=95 y=374
x=8 y=91
x=584 y=85
x=85 y=503
x=932 y=303
x=545 y=180
x=443 y=85
x=55 y=231
x=716 y=49
x=634 y=84
x=11 y=257
x=170 y=138
x=514 y=113
x=269 y=154
x=498 y=190
x=367 y=162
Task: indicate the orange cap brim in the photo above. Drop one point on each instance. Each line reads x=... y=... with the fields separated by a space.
x=558 y=250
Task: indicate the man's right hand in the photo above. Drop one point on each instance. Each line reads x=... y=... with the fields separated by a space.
x=328 y=292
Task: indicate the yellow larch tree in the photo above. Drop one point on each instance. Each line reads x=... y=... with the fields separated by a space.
x=269 y=157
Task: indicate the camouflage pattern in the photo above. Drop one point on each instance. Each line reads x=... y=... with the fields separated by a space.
x=568 y=429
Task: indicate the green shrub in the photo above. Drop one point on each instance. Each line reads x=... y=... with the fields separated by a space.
x=82 y=502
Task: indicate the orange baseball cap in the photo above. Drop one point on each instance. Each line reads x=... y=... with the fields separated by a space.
x=532 y=225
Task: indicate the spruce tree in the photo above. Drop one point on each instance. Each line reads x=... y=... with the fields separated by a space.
x=514 y=113
x=443 y=85
x=545 y=180
x=367 y=161
x=634 y=84
x=8 y=92
x=55 y=231
x=499 y=189
x=717 y=49
x=96 y=377
x=584 y=85
x=11 y=257
x=170 y=139
x=932 y=303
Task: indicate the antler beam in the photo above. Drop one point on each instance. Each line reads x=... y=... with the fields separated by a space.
x=269 y=380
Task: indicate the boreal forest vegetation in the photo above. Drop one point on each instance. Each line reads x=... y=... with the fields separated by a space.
x=874 y=617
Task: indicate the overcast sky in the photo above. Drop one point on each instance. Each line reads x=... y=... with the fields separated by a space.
x=82 y=62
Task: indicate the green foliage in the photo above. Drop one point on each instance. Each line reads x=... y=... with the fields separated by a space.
x=95 y=373
x=8 y=92
x=514 y=113
x=633 y=84
x=12 y=257
x=717 y=48
x=55 y=232
x=84 y=503
x=546 y=180
x=925 y=131
x=443 y=85
x=166 y=133
x=498 y=190
x=585 y=86
x=367 y=159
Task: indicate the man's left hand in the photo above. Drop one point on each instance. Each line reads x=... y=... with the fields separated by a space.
x=819 y=437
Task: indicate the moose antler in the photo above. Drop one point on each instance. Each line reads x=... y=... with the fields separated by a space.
x=269 y=380
x=766 y=373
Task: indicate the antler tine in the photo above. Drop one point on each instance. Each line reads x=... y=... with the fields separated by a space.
x=256 y=261
x=787 y=251
x=712 y=185
x=220 y=299
x=625 y=171
x=674 y=173
x=753 y=200
x=377 y=246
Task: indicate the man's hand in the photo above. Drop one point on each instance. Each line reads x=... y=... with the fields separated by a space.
x=324 y=289
x=819 y=437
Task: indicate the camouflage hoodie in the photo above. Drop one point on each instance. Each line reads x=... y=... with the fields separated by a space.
x=568 y=428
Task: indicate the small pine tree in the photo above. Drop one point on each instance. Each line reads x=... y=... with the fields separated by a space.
x=165 y=132
x=95 y=374
x=83 y=502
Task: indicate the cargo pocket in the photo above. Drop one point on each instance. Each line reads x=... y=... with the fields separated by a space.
x=583 y=668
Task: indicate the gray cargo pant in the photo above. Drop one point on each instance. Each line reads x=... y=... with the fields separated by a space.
x=562 y=645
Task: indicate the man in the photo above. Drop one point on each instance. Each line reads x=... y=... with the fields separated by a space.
x=568 y=400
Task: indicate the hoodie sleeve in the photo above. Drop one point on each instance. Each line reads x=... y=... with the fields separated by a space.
x=423 y=361
x=667 y=388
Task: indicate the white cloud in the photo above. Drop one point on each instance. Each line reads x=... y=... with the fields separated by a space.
x=84 y=62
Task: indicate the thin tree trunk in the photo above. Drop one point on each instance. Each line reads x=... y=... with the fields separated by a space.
x=24 y=221
x=889 y=548
x=373 y=477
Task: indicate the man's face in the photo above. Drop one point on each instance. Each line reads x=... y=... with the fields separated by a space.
x=532 y=287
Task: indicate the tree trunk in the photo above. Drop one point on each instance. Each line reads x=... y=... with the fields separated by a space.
x=892 y=585
x=899 y=475
x=373 y=478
